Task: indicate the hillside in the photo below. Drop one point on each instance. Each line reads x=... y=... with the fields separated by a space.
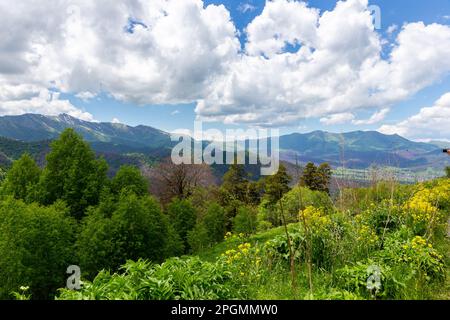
x=361 y=149
x=34 y=127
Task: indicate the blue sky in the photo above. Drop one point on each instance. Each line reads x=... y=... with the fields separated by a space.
x=135 y=108
x=172 y=117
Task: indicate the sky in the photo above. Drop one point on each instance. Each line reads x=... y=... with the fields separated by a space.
x=297 y=66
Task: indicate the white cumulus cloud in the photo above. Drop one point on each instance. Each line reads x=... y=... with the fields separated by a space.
x=430 y=123
x=296 y=63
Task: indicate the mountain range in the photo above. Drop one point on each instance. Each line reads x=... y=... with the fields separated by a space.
x=121 y=143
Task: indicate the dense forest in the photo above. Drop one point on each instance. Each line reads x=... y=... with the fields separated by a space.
x=175 y=234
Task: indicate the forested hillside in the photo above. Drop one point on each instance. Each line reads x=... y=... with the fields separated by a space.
x=176 y=234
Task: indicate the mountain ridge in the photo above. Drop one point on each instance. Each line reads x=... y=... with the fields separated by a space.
x=355 y=149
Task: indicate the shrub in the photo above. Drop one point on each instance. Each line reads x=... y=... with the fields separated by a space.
x=245 y=221
x=136 y=229
x=36 y=247
x=299 y=198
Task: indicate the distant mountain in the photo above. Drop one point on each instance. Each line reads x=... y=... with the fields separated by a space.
x=360 y=149
x=122 y=144
x=441 y=144
x=34 y=127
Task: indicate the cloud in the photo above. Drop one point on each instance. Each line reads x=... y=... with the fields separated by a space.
x=175 y=112
x=339 y=118
x=375 y=118
x=115 y=121
x=246 y=7
x=296 y=63
x=392 y=29
x=338 y=68
x=79 y=46
x=85 y=96
x=22 y=99
x=429 y=123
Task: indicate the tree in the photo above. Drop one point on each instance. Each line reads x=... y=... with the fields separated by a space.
x=129 y=178
x=245 y=221
x=255 y=190
x=309 y=176
x=317 y=178
x=234 y=186
x=179 y=181
x=22 y=178
x=136 y=229
x=324 y=177
x=277 y=185
x=447 y=171
x=215 y=222
x=198 y=238
x=72 y=174
x=36 y=247
x=183 y=217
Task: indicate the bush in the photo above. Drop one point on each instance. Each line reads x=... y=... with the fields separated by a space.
x=299 y=198
x=36 y=247
x=245 y=221
x=136 y=229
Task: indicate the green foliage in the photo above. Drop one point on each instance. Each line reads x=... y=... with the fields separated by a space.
x=136 y=229
x=209 y=230
x=214 y=221
x=309 y=176
x=176 y=279
x=129 y=178
x=316 y=178
x=22 y=179
x=395 y=232
x=183 y=217
x=72 y=174
x=198 y=238
x=324 y=177
x=447 y=172
x=298 y=199
x=277 y=185
x=245 y=221
x=36 y=247
x=234 y=186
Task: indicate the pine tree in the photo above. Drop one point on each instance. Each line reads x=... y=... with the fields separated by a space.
x=277 y=185
x=234 y=185
x=309 y=177
x=324 y=177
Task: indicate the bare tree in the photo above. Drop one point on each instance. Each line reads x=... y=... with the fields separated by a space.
x=168 y=180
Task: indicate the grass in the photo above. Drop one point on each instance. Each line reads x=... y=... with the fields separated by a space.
x=212 y=253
